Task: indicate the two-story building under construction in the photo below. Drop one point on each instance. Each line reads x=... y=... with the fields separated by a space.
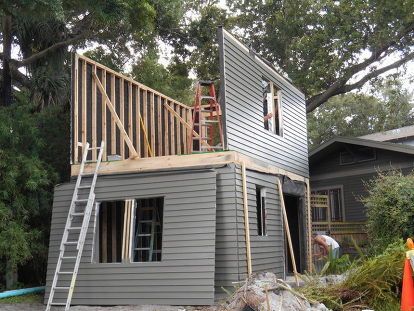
x=177 y=214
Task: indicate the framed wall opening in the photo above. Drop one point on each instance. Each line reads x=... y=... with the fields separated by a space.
x=129 y=231
x=272 y=107
x=293 y=211
x=111 y=225
x=261 y=211
x=148 y=225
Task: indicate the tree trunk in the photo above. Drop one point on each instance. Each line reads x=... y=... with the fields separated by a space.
x=5 y=98
x=11 y=275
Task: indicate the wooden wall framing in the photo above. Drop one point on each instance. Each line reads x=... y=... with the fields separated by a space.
x=162 y=131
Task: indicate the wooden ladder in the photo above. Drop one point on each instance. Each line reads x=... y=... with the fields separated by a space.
x=80 y=210
x=205 y=126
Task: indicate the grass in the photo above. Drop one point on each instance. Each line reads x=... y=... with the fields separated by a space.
x=30 y=298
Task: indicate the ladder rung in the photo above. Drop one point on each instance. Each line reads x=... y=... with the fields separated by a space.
x=68 y=257
x=71 y=242
x=143 y=234
x=78 y=214
x=75 y=228
x=65 y=272
x=94 y=148
x=207 y=97
x=85 y=187
x=58 y=304
x=209 y=121
x=62 y=287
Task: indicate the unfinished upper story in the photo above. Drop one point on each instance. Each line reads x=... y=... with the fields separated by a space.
x=263 y=117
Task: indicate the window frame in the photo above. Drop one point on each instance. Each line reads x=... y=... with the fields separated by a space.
x=276 y=93
x=342 y=200
x=95 y=251
x=357 y=161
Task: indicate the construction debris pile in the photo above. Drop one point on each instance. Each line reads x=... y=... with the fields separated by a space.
x=264 y=291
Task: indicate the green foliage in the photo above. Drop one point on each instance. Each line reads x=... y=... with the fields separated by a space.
x=318 y=42
x=360 y=114
x=336 y=265
x=371 y=283
x=172 y=81
x=390 y=209
x=26 y=182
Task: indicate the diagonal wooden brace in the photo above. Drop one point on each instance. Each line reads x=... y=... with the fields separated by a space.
x=124 y=135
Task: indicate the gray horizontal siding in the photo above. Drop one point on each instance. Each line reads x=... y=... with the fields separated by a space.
x=186 y=273
x=227 y=244
x=267 y=251
x=243 y=111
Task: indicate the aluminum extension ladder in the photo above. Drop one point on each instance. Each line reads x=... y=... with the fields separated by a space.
x=80 y=209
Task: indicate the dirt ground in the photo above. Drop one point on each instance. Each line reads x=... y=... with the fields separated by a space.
x=41 y=307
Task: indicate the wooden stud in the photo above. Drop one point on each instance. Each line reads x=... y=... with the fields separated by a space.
x=287 y=230
x=184 y=132
x=113 y=129
x=189 y=119
x=104 y=139
x=159 y=127
x=113 y=231
x=137 y=119
x=152 y=120
x=172 y=121
x=122 y=114
x=104 y=240
x=166 y=130
x=124 y=229
x=76 y=111
x=84 y=98
x=130 y=117
x=188 y=126
x=148 y=149
x=144 y=117
x=246 y=220
x=94 y=116
x=124 y=135
x=309 y=225
x=178 y=130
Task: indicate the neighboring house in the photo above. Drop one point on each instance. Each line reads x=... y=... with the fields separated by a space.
x=201 y=204
x=339 y=169
x=403 y=135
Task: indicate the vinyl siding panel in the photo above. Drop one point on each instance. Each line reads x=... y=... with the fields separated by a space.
x=267 y=251
x=186 y=273
x=241 y=76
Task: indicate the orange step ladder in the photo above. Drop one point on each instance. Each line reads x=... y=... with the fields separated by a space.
x=206 y=120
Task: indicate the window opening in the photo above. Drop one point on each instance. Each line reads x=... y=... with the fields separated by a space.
x=272 y=114
x=148 y=230
x=111 y=224
x=327 y=205
x=261 y=211
x=357 y=155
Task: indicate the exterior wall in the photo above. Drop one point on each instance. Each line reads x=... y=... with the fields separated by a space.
x=242 y=105
x=268 y=252
x=327 y=173
x=186 y=273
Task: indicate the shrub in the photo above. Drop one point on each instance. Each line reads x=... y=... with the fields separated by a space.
x=390 y=209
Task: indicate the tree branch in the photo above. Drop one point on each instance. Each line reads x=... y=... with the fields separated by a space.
x=377 y=72
x=35 y=57
x=340 y=86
